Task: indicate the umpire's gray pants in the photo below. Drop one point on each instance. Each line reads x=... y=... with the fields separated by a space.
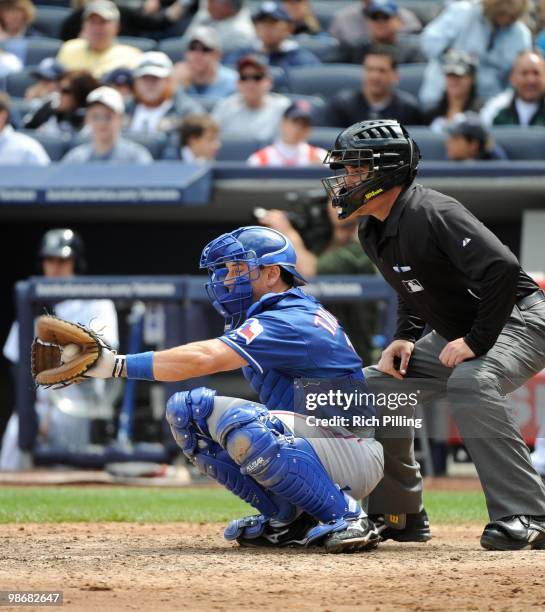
x=476 y=393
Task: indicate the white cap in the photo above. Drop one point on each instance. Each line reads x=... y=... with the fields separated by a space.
x=104 y=8
x=153 y=63
x=109 y=97
x=207 y=36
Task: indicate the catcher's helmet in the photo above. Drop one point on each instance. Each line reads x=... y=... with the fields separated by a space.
x=254 y=246
x=386 y=155
x=63 y=243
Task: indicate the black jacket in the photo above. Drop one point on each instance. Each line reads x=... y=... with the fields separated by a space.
x=448 y=269
x=350 y=106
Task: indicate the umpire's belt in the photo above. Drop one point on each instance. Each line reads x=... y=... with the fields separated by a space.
x=527 y=302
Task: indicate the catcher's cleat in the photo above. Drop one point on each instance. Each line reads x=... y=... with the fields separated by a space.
x=257 y=531
x=517 y=532
x=403 y=527
x=360 y=534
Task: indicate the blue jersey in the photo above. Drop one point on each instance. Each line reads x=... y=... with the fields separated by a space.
x=287 y=336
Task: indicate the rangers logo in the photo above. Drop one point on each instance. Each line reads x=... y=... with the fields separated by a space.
x=250 y=330
x=413 y=285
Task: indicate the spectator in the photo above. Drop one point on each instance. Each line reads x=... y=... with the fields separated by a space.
x=199 y=137
x=64 y=111
x=104 y=118
x=201 y=74
x=384 y=27
x=524 y=104
x=154 y=109
x=48 y=75
x=15 y=148
x=230 y=19
x=291 y=148
x=16 y=18
x=9 y=63
x=378 y=97
x=274 y=28
x=469 y=140
x=350 y=25
x=122 y=80
x=302 y=16
x=254 y=110
x=340 y=256
x=460 y=96
x=97 y=50
x=491 y=30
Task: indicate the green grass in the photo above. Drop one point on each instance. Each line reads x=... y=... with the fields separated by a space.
x=150 y=505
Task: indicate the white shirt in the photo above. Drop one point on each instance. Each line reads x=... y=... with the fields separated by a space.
x=188 y=157
x=20 y=149
x=146 y=119
x=525 y=111
x=282 y=154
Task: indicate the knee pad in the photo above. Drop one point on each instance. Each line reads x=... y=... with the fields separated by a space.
x=282 y=464
x=186 y=415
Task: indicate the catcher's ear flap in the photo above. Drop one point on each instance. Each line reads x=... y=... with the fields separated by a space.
x=52 y=329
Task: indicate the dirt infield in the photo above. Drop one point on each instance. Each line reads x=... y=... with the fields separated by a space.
x=190 y=567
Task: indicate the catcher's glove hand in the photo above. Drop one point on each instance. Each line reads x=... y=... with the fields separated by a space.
x=63 y=353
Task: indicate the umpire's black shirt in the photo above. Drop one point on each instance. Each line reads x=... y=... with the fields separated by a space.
x=448 y=269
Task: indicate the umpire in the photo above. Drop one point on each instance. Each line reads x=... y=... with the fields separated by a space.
x=487 y=318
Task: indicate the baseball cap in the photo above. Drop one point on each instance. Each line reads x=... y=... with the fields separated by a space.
x=386 y=7
x=469 y=125
x=153 y=63
x=299 y=109
x=109 y=97
x=459 y=63
x=104 y=8
x=254 y=61
x=207 y=36
x=49 y=69
x=119 y=76
x=272 y=10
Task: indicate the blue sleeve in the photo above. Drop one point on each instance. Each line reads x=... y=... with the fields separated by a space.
x=268 y=343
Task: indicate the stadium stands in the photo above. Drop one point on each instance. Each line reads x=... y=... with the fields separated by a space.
x=39 y=48
x=49 y=19
x=17 y=83
x=144 y=44
x=55 y=145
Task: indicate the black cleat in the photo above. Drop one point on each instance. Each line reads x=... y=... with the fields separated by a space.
x=403 y=527
x=361 y=534
x=517 y=532
x=278 y=536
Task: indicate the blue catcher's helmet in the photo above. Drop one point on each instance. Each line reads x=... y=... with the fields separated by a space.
x=254 y=246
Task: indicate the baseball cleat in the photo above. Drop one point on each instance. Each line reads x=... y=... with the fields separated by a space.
x=361 y=534
x=403 y=527
x=517 y=532
x=278 y=535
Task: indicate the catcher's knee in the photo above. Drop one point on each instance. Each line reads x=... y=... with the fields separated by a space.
x=186 y=415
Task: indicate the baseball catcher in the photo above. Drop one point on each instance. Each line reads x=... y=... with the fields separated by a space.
x=304 y=487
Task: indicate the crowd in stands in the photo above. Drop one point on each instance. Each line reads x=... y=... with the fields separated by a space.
x=193 y=73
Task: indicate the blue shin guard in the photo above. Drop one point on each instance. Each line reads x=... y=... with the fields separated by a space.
x=186 y=414
x=286 y=466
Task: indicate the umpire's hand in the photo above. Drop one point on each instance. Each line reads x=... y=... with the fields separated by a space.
x=398 y=350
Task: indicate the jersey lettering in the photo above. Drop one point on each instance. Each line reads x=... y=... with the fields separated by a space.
x=325 y=319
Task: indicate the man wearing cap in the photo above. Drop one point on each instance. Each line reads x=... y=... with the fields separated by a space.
x=122 y=80
x=97 y=49
x=291 y=148
x=155 y=109
x=48 y=74
x=468 y=139
x=201 y=73
x=274 y=28
x=254 y=110
x=104 y=118
x=524 y=102
x=384 y=22
x=16 y=148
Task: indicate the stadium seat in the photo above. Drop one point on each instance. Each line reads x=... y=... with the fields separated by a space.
x=410 y=77
x=425 y=10
x=19 y=108
x=144 y=44
x=325 y=48
x=324 y=137
x=238 y=148
x=325 y=10
x=520 y=142
x=154 y=143
x=49 y=19
x=324 y=80
x=17 y=83
x=173 y=47
x=39 y=48
x=56 y=146
x=431 y=144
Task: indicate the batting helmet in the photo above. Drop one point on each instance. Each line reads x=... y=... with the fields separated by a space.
x=384 y=153
x=63 y=243
x=255 y=247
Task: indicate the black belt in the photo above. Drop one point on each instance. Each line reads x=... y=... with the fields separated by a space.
x=527 y=302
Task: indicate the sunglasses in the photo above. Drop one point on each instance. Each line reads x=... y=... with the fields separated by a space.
x=199 y=47
x=379 y=17
x=66 y=90
x=252 y=77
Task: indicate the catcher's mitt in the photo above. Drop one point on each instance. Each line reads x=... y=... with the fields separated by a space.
x=62 y=351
